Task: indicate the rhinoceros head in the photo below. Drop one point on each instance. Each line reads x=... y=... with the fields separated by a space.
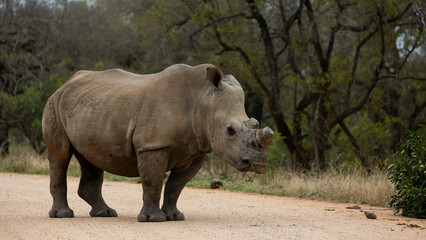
x=232 y=135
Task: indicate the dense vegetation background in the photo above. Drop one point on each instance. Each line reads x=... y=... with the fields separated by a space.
x=339 y=80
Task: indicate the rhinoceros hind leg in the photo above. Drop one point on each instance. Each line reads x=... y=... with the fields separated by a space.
x=152 y=166
x=90 y=188
x=58 y=162
x=176 y=182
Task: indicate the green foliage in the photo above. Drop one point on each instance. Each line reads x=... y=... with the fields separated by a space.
x=23 y=112
x=29 y=111
x=345 y=163
x=99 y=66
x=277 y=154
x=409 y=176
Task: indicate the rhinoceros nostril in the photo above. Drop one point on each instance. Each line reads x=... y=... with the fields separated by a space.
x=231 y=131
x=246 y=162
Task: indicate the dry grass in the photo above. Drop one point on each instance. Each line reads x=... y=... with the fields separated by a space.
x=345 y=183
x=24 y=163
x=354 y=187
x=31 y=163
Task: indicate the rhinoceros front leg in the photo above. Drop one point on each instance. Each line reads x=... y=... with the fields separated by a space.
x=152 y=166
x=176 y=182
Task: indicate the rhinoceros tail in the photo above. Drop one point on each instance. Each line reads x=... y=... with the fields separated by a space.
x=42 y=149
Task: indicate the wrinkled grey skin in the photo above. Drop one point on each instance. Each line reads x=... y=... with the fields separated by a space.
x=145 y=125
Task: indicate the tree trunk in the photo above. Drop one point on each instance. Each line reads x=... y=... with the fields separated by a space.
x=254 y=105
x=299 y=160
x=357 y=148
x=320 y=133
x=4 y=140
x=299 y=156
x=320 y=148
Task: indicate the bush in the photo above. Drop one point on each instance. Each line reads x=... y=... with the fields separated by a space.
x=409 y=177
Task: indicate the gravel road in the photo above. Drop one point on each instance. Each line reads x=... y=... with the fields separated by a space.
x=210 y=214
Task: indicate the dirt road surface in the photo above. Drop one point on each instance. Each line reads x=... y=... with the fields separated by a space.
x=210 y=214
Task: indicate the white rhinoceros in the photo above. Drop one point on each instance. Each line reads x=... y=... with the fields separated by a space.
x=146 y=125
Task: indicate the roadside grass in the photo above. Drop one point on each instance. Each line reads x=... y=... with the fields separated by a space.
x=23 y=159
x=351 y=187
x=31 y=163
x=336 y=184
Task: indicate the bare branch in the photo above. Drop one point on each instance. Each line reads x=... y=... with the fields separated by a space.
x=287 y=24
x=415 y=45
x=306 y=100
x=397 y=17
x=403 y=78
x=358 y=29
x=226 y=48
x=366 y=26
x=266 y=36
x=282 y=50
x=357 y=148
x=374 y=80
x=216 y=21
x=355 y=66
x=342 y=6
x=315 y=37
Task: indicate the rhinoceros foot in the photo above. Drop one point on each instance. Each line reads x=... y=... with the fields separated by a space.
x=61 y=213
x=103 y=212
x=173 y=214
x=151 y=216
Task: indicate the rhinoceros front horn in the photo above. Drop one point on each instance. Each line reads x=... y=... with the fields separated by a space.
x=265 y=136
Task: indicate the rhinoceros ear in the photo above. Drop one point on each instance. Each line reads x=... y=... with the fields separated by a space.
x=214 y=75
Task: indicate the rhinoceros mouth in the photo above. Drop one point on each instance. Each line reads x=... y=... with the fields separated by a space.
x=246 y=165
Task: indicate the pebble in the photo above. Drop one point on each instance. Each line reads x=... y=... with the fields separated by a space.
x=216 y=183
x=354 y=207
x=370 y=214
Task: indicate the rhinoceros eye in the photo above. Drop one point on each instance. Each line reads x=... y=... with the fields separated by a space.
x=231 y=131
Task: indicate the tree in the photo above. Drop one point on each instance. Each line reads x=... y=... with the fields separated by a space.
x=43 y=42
x=26 y=58
x=331 y=58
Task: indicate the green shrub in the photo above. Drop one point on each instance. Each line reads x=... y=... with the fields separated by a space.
x=409 y=177
x=277 y=154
